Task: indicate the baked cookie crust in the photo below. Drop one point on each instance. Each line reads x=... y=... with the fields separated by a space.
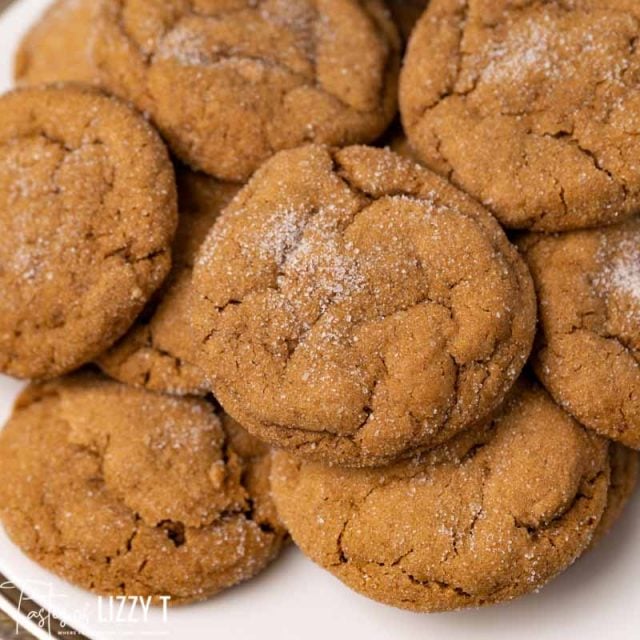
x=491 y=515
x=353 y=306
x=588 y=351
x=125 y=492
x=157 y=353
x=229 y=83
x=532 y=107
x=87 y=217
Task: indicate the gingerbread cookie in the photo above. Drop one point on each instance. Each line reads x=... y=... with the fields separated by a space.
x=588 y=356
x=625 y=465
x=56 y=49
x=157 y=352
x=230 y=83
x=406 y=13
x=531 y=107
x=87 y=216
x=491 y=515
x=353 y=306
x=122 y=491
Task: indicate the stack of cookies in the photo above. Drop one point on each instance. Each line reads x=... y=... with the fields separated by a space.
x=252 y=302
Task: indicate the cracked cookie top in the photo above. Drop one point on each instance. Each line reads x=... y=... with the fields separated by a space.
x=157 y=352
x=56 y=48
x=87 y=216
x=530 y=106
x=588 y=356
x=126 y=492
x=230 y=82
x=353 y=306
x=490 y=515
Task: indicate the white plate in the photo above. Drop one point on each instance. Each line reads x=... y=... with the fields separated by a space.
x=597 y=598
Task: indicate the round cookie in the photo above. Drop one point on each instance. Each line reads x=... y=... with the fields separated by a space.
x=625 y=465
x=87 y=216
x=588 y=353
x=531 y=107
x=157 y=352
x=353 y=306
x=229 y=83
x=125 y=492
x=56 y=49
x=491 y=515
x=406 y=13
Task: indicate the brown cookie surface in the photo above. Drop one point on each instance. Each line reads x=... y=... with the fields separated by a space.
x=353 y=306
x=491 y=515
x=588 y=354
x=56 y=48
x=532 y=107
x=228 y=83
x=157 y=352
x=126 y=492
x=625 y=466
x=87 y=216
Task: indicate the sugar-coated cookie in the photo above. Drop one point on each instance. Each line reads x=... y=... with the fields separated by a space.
x=87 y=216
x=125 y=492
x=588 y=353
x=230 y=82
x=157 y=352
x=491 y=515
x=353 y=306
x=532 y=107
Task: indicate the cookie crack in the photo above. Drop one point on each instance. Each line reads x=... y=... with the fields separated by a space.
x=535 y=530
x=462 y=14
x=570 y=137
x=441 y=584
x=175 y=531
x=353 y=511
